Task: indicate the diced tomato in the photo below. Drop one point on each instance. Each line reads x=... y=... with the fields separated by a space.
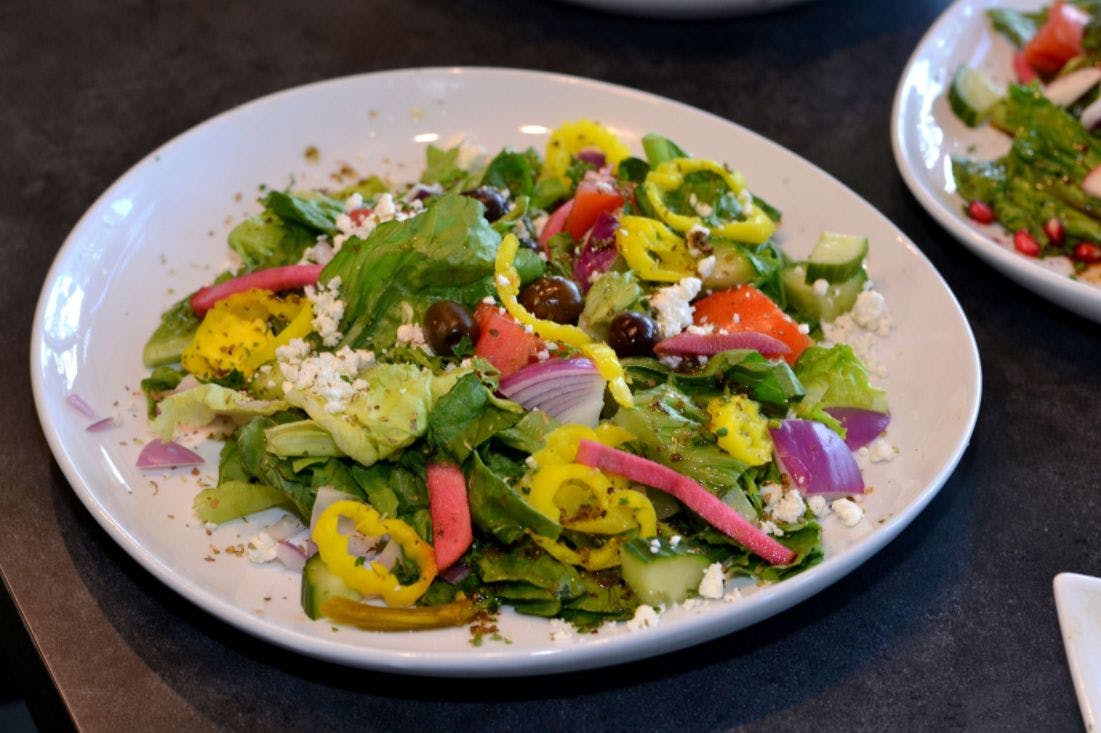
x=504 y=343
x=745 y=308
x=1021 y=68
x=593 y=198
x=1058 y=40
x=358 y=216
x=450 y=510
x=555 y=223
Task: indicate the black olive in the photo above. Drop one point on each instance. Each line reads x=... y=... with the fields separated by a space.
x=445 y=325
x=632 y=334
x=491 y=199
x=553 y=298
x=529 y=243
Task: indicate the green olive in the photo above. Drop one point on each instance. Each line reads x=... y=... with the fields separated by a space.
x=553 y=298
x=446 y=324
x=632 y=334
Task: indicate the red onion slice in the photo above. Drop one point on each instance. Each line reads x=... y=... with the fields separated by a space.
x=98 y=425
x=565 y=389
x=816 y=459
x=158 y=454
x=1066 y=89
x=285 y=528
x=290 y=555
x=78 y=404
x=861 y=426
x=326 y=496
x=456 y=574
x=709 y=344
x=592 y=156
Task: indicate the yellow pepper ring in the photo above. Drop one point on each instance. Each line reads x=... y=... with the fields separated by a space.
x=669 y=176
x=653 y=250
x=299 y=327
x=507 y=280
x=373 y=579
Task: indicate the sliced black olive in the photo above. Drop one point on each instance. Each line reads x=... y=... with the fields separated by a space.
x=632 y=334
x=491 y=199
x=445 y=325
x=553 y=298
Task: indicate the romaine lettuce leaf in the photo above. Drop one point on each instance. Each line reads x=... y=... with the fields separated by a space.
x=835 y=377
x=392 y=278
x=498 y=509
x=199 y=405
x=467 y=416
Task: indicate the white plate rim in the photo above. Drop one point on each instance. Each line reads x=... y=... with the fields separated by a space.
x=613 y=650
x=1073 y=295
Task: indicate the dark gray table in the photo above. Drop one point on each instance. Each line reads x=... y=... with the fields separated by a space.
x=951 y=626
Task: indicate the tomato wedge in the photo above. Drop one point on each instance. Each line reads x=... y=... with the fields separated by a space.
x=504 y=343
x=1058 y=40
x=555 y=223
x=745 y=308
x=593 y=198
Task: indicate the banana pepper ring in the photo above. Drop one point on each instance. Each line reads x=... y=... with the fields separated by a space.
x=669 y=176
x=372 y=579
x=653 y=250
x=380 y=618
x=507 y=280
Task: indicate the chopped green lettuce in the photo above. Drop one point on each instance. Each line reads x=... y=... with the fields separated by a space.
x=835 y=377
x=612 y=293
x=200 y=405
x=392 y=278
x=176 y=330
x=467 y=416
x=497 y=508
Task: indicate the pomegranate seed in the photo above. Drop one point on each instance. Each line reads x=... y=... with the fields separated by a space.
x=1087 y=252
x=1053 y=228
x=1026 y=244
x=981 y=212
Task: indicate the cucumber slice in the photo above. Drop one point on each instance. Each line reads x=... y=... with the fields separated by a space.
x=836 y=257
x=319 y=584
x=826 y=306
x=972 y=94
x=660 y=573
x=732 y=267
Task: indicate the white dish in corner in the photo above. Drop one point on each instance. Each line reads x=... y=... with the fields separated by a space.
x=159 y=232
x=925 y=134
x=1078 y=601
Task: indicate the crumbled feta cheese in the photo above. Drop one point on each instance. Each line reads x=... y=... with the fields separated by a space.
x=353 y=202
x=655 y=545
x=845 y=330
x=803 y=328
x=413 y=334
x=328 y=310
x=294 y=350
x=502 y=281
x=320 y=253
x=701 y=330
x=261 y=548
x=790 y=508
x=706 y=266
x=769 y=527
x=771 y=493
x=699 y=241
x=848 y=511
x=674 y=540
x=818 y=505
x=673 y=305
x=820 y=287
x=734 y=594
x=745 y=198
x=880 y=451
x=210 y=526
x=671 y=361
x=870 y=312
x=332 y=376
x=383 y=210
x=704 y=209
x=488 y=300
x=644 y=617
x=711 y=586
x=561 y=630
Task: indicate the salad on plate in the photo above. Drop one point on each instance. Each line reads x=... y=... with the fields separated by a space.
x=1045 y=191
x=581 y=384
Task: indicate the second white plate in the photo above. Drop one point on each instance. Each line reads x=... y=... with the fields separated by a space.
x=926 y=134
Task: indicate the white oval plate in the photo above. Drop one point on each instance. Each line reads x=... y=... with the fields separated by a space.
x=926 y=134
x=159 y=232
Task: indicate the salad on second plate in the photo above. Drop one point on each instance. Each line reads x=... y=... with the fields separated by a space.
x=1046 y=190
x=584 y=385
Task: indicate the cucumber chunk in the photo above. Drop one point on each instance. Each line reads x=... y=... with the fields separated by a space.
x=838 y=298
x=660 y=573
x=972 y=95
x=732 y=267
x=319 y=584
x=836 y=257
